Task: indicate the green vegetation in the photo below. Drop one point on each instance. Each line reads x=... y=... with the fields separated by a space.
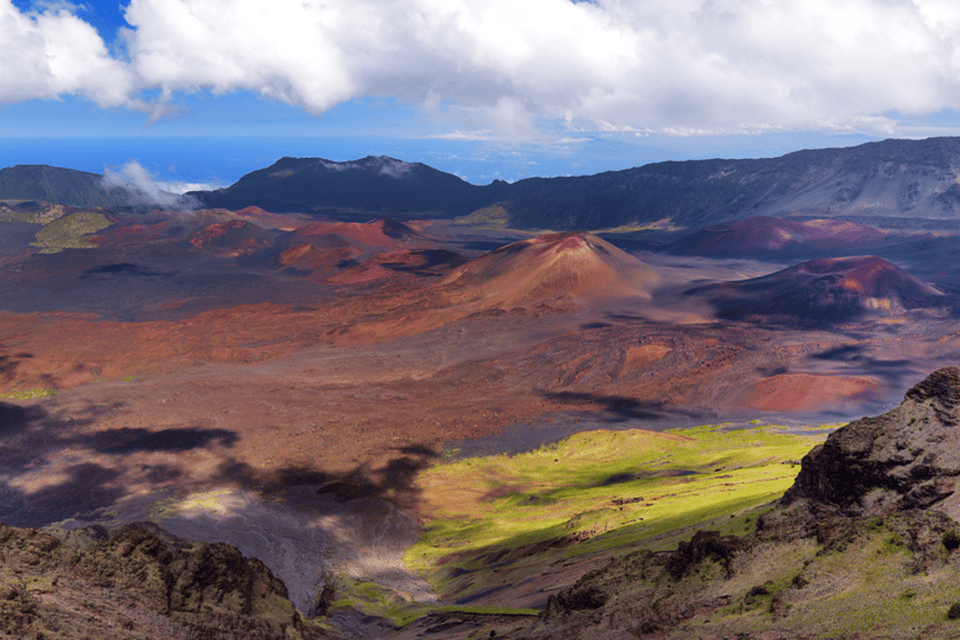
x=70 y=232
x=855 y=594
x=598 y=491
x=29 y=393
x=664 y=224
x=31 y=212
x=376 y=599
x=951 y=540
x=493 y=216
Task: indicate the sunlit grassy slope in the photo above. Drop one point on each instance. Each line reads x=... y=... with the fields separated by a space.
x=602 y=491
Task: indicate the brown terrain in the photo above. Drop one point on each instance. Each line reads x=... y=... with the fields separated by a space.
x=276 y=382
x=781 y=235
x=827 y=290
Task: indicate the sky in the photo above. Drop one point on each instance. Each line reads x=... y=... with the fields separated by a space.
x=199 y=92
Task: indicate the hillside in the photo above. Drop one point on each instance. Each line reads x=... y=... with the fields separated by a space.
x=371 y=184
x=766 y=235
x=139 y=583
x=56 y=185
x=862 y=546
x=892 y=183
x=823 y=292
x=435 y=427
x=550 y=266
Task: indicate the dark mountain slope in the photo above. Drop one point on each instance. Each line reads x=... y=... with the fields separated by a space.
x=57 y=186
x=373 y=184
x=896 y=181
x=892 y=179
x=777 y=237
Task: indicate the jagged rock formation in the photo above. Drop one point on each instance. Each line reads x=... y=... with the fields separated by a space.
x=136 y=585
x=906 y=458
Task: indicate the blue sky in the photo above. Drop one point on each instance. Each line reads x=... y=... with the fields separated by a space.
x=203 y=91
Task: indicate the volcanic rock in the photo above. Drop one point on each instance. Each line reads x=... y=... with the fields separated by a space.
x=382 y=232
x=823 y=292
x=906 y=458
x=136 y=586
x=231 y=238
x=550 y=266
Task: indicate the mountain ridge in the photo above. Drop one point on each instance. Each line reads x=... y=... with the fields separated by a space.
x=894 y=183
x=57 y=185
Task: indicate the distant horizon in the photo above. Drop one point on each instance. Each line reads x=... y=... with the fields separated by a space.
x=202 y=93
x=219 y=161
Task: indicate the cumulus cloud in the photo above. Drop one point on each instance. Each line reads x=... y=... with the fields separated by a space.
x=141 y=188
x=50 y=52
x=659 y=66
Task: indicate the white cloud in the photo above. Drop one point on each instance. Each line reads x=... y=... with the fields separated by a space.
x=658 y=66
x=51 y=52
x=141 y=187
x=480 y=135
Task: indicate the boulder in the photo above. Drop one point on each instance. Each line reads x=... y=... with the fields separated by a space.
x=906 y=458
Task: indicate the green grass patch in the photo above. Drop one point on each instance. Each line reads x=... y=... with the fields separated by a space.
x=378 y=600
x=70 y=232
x=600 y=490
x=873 y=590
x=488 y=611
x=29 y=393
x=494 y=216
x=34 y=213
x=664 y=224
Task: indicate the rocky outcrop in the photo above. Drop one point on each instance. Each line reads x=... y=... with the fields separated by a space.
x=906 y=458
x=140 y=584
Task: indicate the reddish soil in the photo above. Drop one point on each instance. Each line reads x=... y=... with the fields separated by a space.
x=799 y=391
x=580 y=265
x=401 y=344
x=868 y=275
x=378 y=233
x=264 y=396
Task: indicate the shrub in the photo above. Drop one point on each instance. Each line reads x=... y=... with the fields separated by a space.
x=954 y=612
x=951 y=540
